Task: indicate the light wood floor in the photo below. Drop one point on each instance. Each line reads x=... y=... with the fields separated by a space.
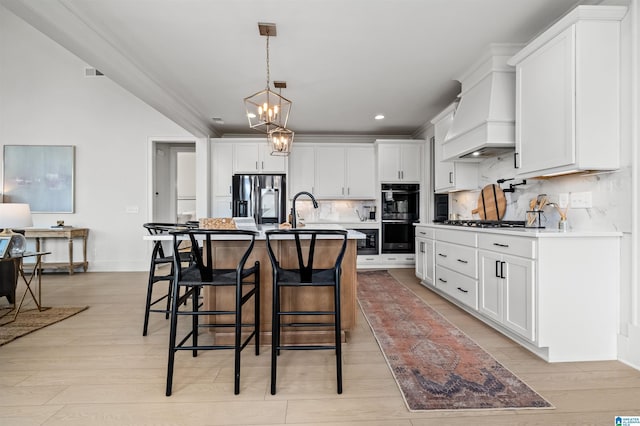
x=97 y=369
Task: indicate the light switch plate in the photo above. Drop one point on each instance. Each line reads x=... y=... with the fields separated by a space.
x=581 y=200
x=563 y=200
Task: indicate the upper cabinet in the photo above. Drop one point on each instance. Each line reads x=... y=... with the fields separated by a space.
x=221 y=174
x=255 y=157
x=568 y=95
x=333 y=171
x=302 y=169
x=450 y=175
x=399 y=161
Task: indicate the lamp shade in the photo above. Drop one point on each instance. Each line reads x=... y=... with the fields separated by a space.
x=15 y=216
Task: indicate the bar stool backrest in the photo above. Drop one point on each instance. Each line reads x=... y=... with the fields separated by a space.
x=306 y=267
x=206 y=236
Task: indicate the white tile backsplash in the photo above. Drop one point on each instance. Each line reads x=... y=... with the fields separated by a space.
x=333 y=210
x=611 y=196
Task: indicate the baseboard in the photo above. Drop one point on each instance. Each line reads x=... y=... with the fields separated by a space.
x=629 y=347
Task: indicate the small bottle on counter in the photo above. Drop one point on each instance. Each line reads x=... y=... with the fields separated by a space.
x=563 y=225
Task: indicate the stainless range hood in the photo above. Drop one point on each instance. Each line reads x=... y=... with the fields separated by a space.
x=484 y=122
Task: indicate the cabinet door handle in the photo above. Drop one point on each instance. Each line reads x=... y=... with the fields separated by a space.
x=463 y=290
x=229 y=189
x=422 y=233
x=442 y=281
x=502 y=269
x=343 y=190
x=442 y=255
x=463 y=261
x=262 y=165
x=450 y=177
x=256 y=165
x=515 y=160
x=392 y=258
x=402 y=174
x=501 y=245
x=348 y=191
x=497 y=273
x=398 y=174
x=421 y=247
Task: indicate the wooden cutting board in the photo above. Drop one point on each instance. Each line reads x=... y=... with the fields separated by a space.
x=492 y=203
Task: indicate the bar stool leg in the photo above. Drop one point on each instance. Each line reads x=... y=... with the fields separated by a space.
x=172 y=337
x=275 y=334
x=338 y=323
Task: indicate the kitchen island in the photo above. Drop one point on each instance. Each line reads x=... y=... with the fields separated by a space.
x=228 y=251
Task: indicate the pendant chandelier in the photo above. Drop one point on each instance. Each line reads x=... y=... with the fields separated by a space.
x=267 y=110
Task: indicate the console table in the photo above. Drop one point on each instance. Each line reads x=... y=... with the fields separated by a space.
x=69 y=233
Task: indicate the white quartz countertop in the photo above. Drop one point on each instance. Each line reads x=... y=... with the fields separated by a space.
x=524 y=232
x=351 y=234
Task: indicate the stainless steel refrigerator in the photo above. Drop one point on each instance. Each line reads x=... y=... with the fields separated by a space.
x=263 y=197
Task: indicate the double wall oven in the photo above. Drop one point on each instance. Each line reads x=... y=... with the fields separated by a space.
x=400 y=210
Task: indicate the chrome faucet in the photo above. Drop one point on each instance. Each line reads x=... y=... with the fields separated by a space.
x=293 y=206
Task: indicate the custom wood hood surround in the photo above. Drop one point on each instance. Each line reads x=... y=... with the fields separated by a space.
x=484 y=121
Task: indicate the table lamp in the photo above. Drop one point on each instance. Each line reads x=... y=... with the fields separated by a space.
x=18 y=216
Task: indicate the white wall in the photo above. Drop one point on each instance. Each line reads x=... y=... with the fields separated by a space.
x=46 y=99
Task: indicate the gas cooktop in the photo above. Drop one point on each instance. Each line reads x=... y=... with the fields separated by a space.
x=486 y=223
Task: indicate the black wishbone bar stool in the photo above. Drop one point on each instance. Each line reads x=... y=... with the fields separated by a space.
x=156 y=274
x=202 y=273
x=304 y=274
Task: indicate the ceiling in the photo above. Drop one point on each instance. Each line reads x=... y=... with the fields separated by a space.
x=344 y=61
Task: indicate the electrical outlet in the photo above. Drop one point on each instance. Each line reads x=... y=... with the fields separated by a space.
x=563 y=200
x=581 y=200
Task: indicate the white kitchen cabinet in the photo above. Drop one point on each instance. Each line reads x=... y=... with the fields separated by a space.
x=568 y=95
x=425 y=263
x=506 y=291
x=552 y=292
x=456 y=268
x=361 y=172
x=450 y=175
x=255 y=157
x=399 y=161
x=221 y=173
x=302 y=169
x=345 y=172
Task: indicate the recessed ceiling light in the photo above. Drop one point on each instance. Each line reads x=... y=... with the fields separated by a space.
x=476 y=153
x=379 y=117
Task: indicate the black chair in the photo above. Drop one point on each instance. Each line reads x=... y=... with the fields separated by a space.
x=158 y=259
x=305 y=275
x=202 y=273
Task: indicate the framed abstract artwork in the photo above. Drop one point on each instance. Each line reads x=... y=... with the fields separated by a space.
x=41 y=176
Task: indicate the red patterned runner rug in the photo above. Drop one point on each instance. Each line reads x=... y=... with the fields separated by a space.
x=436 y=365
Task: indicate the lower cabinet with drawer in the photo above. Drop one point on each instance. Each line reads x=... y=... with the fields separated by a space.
x=554 y=293
x=456 y=272
x=506 y=291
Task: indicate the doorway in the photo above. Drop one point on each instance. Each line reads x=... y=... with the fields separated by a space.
x=173 y=177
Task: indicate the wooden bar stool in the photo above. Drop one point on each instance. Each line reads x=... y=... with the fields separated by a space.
x=202 y=273
x=305 y=275
x=159 y=259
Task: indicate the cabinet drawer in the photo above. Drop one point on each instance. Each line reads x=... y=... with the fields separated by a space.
x=507 y=244
x=424 y=232
x=458 y=258
x=466 y=238
x=458 y=286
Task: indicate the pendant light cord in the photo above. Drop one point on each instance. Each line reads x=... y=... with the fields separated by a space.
x=268 y=74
